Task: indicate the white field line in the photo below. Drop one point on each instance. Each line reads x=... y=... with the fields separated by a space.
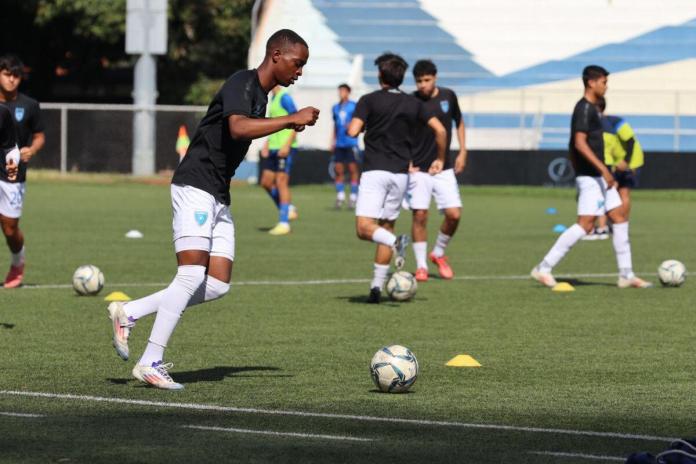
x=391 y=420
x=322 y=281
x=276 y=434
x=20 y=414
x=594 y=457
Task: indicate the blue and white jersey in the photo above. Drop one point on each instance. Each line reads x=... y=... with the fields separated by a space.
x=342 y=114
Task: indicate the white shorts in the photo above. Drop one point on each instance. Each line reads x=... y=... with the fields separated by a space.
x=443 y=186
x=11 y=198
x=201 y=222
x=380 y=194
x=594 y=199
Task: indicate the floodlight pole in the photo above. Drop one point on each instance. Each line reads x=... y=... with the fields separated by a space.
x=144 y=97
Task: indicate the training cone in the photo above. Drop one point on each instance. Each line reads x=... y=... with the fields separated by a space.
x=559 y=228
x=117 y=296
x=551 y=211
x=463 y=360
x=182 y=141
x=563 y=287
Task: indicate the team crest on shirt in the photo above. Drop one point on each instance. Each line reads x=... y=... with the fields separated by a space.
x=444 y=104
x=600 y=204
x=19 y=113
x=201 y=217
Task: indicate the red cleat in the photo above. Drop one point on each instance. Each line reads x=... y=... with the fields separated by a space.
x=14 y=277
x=421 y=274
x=443 y=266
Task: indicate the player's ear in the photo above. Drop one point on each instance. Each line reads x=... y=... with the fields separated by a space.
x=275 y=55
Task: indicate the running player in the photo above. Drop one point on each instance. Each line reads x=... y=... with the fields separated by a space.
x=596 y=186
x=443 y=103
x=8 y=145
x=276 y=161
x=30 y=139
x=203 y=227
x=390 y=118
x=345 y=148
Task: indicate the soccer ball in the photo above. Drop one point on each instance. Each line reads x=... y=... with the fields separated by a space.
x=671 y=273
x=401 y=286
x=88 y=280
x=394 y=369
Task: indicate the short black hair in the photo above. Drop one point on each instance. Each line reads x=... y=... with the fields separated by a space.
x=424 y=68
x=391 y=69
x=602 y=104
x=282 y=39
x=593 y=72
x=345 y=86
x=12 y=64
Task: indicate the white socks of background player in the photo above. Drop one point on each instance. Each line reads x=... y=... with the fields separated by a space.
x=383 y=237
x=562 y=246
x=420 y=249
x=212 y=290
x=18 y=258
x=379 y=275
x=622 y=248
x=441 y=244
x=174 y=300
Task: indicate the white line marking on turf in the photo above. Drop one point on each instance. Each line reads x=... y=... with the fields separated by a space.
x=277 y=434
x=320 y=281
x=595 y=457
x=20 y=414
x=393 y=420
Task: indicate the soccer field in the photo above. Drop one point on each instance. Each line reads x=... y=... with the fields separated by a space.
x=278 y=369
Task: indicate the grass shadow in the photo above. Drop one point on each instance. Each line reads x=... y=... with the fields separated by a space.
x=214 y=374
x=362 y=299
x=6 y=325
x=263 y=229
x=584 y=283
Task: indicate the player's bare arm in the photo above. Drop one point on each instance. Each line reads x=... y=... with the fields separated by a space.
x=441 y=142
x=246 y=128
x=460 y=160
x=356 y=126
x=584 y=149
x=37 y=143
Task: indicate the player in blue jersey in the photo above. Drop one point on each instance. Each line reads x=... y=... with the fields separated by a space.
x=345 y=148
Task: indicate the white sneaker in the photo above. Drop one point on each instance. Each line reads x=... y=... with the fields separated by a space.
x=634 y=282
x=157 y=375
x=544 y=278
x=121 y=326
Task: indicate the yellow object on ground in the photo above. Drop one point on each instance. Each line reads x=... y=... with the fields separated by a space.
x=463 y=360
x=117 y=296
x=563 y=287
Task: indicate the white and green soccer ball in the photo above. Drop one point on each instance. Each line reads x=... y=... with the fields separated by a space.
x=401 y=286
x=88 y=280
x=394 y=369
x=671 y=273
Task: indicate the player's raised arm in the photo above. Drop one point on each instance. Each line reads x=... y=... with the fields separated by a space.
x=441 y=142
x=244 y=127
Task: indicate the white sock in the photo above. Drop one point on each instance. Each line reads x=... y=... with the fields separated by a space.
x=174 y=300
x=340 y=196
x=441 y=244
x=18 y=258
x=562 y=246
x=384 y=237
x=420 y=249
x=353 y=197
x=212 y=290
x=622 y=248
x=379 y=275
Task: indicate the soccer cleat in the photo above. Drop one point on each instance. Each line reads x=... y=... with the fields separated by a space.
x=374 y=296
x=292 y=213
x=634 y=282
x=157 y=375
x=339 y=203
x=400 y=246
x=443 y=266
x=14 y=276
x=281 y=228
x=352 y=203
x=544 y=278
x=421 y=274
x=121 y=325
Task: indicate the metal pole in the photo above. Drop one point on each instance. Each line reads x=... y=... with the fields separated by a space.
x=144 y=96
x=63 y=139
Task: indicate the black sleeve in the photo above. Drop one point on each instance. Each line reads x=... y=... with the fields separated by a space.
x=8 y=137
x=456 y=111
x=423 y=114
x=362 y=109
x=237 y=95
x=35 y=123
x=581 y=117
x=630 y=145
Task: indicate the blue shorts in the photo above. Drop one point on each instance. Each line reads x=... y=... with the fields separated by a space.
x=346 y=155
x=277 y=164
x=627 y=179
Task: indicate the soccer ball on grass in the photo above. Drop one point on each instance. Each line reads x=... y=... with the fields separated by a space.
x=88 y=280
x=394 y=369
x=401 y=286
x=671 y=273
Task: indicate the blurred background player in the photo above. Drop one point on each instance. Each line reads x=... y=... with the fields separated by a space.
x=276 y=161
x=390 y=118
x=597 y=194
x=443 y=104
x=345 y=148
x=203 y=227
x=30 y=139
x=8 y=146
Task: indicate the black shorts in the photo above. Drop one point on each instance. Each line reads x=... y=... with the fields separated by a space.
x=346 y=155
x=628 y=178
x=277 y=164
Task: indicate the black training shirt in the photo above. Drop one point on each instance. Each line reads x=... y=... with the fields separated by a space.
x=586 y=118
x=27 y=117
x=391 y=118
x=445 y=107
x=213 y=155
x=8 y=138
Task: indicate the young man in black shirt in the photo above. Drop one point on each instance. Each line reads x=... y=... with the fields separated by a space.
x=442 y=103
x=203 y=227
x=8 y=145
x=30 y=139
x=597 y=194
x=390 y=118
